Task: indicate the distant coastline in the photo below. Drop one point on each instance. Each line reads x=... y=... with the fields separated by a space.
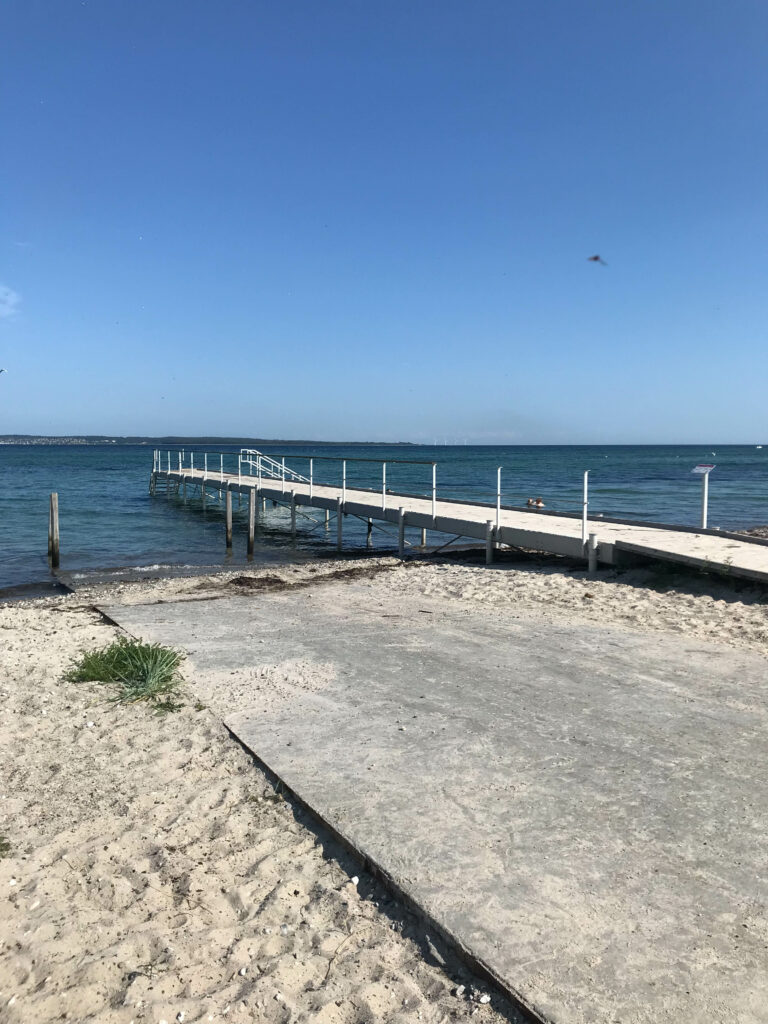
x=244 y=442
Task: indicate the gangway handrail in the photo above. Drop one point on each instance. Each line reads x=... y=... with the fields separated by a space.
x=269 y=467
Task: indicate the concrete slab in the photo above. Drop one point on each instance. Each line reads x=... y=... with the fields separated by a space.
x=584 y=810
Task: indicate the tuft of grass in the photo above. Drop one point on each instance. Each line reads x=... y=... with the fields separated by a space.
x=140 y=672
x=5 y=847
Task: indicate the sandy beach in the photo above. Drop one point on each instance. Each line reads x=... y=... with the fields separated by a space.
x=152 y=871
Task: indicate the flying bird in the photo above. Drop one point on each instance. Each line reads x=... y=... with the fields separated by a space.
x=597 y=259
x=3 y=371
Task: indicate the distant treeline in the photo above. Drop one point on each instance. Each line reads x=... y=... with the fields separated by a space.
x=242 y=442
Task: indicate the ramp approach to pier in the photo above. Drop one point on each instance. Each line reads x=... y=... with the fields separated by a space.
x=260 y=477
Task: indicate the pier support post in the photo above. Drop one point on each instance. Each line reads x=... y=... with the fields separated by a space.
x=592 y=553
x=423 y=537
x=369 y=534
x=185 y=488
x=293 y=513
x=488 y=541
x=251 y=522
x=263 y=504
x=228 y=516
x=339 y=525
x=401 y=532
x=327 y=517
x=53 y=531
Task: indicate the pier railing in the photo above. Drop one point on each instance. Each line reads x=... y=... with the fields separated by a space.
x=249 y=462
x=498 y=495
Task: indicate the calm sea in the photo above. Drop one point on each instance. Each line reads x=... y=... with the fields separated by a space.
x=108 y=519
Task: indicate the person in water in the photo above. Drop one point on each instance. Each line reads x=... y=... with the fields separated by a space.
x=531 y=503
x=540 y=503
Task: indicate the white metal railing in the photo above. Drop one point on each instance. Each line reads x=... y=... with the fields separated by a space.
x=264 y=466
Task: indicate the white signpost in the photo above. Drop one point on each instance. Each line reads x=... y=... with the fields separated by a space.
x=704 y=468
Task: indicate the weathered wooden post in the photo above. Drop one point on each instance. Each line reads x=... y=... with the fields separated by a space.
x=401 y=532
x=251 y=521
x=228 y=516
x=339 y=525
x=369 y=534
x=53 y=530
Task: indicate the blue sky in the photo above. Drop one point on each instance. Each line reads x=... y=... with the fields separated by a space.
x=356 y=220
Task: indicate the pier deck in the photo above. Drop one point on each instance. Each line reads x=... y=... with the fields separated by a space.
x=548 y=532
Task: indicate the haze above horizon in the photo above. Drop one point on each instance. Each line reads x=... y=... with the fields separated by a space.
x=370 y=222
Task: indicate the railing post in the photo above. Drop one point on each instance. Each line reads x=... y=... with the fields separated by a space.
x=343 y=482
x=179 y=461
x=192 y=462
x=221 y=467
x=401 y=532
x=311 y=466
x=339 y=526
x=434 y=490
x=205 y=466
x=584 y=508
x=258 y=469
x=704 y=499
x=283 y=476
x=383 y=487
x=498 y=496
x=169 y=462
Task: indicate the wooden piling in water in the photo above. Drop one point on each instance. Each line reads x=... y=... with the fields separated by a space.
x=228 y=517
x=53 y=530
x=251 y=521
x=369 y=534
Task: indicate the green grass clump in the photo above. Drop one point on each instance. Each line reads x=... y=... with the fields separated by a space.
x=141 y=672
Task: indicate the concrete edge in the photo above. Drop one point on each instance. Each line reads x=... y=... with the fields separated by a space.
x=532 y=1014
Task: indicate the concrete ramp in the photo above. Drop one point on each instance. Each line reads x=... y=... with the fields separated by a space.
x=584 y=811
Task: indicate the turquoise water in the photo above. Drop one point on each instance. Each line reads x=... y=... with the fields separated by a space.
x=109 y=520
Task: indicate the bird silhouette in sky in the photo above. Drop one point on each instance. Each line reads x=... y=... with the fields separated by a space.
x=597 y=259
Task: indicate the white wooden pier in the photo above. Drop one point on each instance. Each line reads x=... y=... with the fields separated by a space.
x=596 y=540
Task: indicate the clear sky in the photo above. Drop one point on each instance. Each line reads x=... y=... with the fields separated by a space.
x=371 y=220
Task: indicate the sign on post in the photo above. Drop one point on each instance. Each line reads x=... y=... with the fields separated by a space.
x=704 y=469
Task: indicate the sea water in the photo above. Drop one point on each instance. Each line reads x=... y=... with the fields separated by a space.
x=108 y=519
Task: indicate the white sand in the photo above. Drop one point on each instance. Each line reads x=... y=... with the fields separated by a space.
x=151 y=864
